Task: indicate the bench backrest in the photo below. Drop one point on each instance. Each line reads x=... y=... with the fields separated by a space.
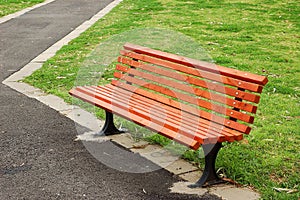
x=226 y=96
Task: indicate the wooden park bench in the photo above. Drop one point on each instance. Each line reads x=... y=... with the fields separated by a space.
x=192 y=102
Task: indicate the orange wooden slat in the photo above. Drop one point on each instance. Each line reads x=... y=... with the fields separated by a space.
x=139 y=107
x=92 y=96
x=131 y=112
x=189 y=88
x=137 y=119
x=196 y=126
x=206 y=115
x=102 y=103
x=241 y=75
x=194 y=71
x=144 y=113
x=196 y=81
x=181 y=96
x=190 y=120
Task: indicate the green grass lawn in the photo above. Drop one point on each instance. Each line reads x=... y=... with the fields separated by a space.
x=257 y=36
x=10 y=6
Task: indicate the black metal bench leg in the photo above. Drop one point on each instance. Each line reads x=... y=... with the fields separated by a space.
x=109 y=127
x=209 y=176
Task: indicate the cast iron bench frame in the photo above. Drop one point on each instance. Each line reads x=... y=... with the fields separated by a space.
x=192 y=102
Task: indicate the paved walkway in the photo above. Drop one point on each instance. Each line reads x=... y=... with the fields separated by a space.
x=40 y=157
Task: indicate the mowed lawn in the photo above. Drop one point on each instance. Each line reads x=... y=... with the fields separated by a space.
x=261 y=37
x=10 y=6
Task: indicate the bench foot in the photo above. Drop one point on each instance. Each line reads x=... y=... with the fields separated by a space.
x=209 y=176
x=109 y=127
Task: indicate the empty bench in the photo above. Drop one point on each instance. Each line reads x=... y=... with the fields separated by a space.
x=192 y=102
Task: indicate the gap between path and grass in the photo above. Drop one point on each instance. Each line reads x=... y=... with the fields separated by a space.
x=10 y=6
x=257 y=36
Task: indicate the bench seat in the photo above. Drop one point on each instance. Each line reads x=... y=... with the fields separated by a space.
x=191 y=131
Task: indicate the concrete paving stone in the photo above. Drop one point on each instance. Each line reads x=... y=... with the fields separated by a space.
x=90 y=22
x=9 y=80
x=55 y=102
x=107 y=9
x=83 y=27
x=181 y=166
x=192 y=177
x=33 y=93
x=58 y=45
x=72 y=35
x=149 y=148
x=182 y=187
x=23 y=88
x=84 y=118
x=43 y=57
x=123 y=139
x=25 y=71
x=157 y=154
x=140 y=144
x=231 y=192
x=52 y=50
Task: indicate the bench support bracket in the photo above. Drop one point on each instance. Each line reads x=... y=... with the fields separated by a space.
x=109 y=127
x=209 y=176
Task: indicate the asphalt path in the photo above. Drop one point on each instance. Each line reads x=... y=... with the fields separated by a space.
x=39 y=158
